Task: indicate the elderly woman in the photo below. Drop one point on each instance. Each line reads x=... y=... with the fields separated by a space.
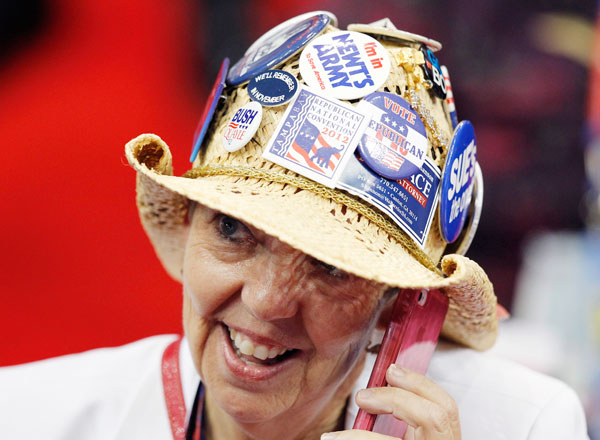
x=312 y=203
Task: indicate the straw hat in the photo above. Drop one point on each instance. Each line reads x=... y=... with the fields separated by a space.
x=328 y=224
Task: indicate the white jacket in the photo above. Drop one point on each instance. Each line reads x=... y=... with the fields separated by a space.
x=117 y=393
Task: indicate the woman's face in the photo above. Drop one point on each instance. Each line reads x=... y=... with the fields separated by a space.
x=274 y=333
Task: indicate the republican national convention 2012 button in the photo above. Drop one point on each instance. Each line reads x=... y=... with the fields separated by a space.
x=242 y=127
x=209 y=109
x=457 y=181
x=394 y=144
x=345 y=64
x=386 y=28
x=276 y=46
x=273 y=87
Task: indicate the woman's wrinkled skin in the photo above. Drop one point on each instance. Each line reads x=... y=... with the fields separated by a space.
x=237 y=276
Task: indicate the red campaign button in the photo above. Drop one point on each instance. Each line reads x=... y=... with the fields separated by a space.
x=209 y=109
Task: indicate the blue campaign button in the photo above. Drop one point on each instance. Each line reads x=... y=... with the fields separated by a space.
x=276 y=47
x=433 y=72
x=273 y=87
x=209 y=109
x=394 y=144
x=465 y=238
x=457 y=181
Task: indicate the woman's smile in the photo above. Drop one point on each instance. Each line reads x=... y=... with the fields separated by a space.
x=257 y=349
x=244 y=357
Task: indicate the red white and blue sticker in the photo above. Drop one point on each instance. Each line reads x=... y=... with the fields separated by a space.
x=433 y=72
x=457 y=181
x=411 y=203
x=209 y=109
x=273 y=87
x=345 y=64
x=242 y=127
x=316 y=136
x=450 y=98
x=277 y=46
x=394 y=144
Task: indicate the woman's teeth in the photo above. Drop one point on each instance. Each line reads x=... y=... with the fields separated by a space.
x=245 y=346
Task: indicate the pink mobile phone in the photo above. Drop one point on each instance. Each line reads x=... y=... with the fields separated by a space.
x=409 y=341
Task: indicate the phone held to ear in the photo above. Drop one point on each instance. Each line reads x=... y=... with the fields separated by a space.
x=409 y=341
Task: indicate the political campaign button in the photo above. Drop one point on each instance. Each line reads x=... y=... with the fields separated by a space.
x=462 y=244
x=411 y=203
x=345 y=64
x=394 y=144
x=316 y=136
x=276 y=47
x=457 y=181
x=273 y=87
x=291 y=22
x=209 y=109
x=242 y=126
x=450 y=97
x=385 y=28
x=433 y=72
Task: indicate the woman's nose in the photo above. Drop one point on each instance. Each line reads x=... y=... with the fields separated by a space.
x=273 y=290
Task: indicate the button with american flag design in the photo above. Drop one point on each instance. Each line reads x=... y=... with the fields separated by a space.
x=394 y=144
x=316 y=136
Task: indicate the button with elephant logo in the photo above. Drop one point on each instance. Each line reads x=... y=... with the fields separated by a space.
x=316 y=136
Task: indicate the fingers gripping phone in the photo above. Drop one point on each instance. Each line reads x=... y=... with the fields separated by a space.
x=409 y=341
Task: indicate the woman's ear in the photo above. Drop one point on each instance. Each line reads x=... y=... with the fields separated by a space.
x=388 y=300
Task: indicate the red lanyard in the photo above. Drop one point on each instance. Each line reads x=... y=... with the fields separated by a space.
x=173 y=390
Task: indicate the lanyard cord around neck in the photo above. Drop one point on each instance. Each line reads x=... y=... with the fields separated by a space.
x=173 y=393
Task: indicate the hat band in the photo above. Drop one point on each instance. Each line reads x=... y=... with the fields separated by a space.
x=321 y=190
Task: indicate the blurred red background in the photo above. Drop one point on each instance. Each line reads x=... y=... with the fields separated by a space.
x=77 y=269
x=80 y=78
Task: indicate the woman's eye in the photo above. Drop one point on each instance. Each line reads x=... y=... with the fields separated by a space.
x=232 y=229
x=332 y=270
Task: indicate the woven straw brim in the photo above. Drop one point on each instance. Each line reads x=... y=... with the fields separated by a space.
x=317 y=226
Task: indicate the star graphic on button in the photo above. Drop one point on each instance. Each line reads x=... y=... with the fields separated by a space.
x=401 y=129
x=387 y=119
x=394 y=123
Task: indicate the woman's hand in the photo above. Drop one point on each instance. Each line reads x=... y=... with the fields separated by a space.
x=430 y=412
